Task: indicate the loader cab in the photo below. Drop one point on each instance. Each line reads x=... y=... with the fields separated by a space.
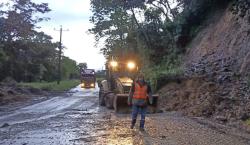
x=121 y=75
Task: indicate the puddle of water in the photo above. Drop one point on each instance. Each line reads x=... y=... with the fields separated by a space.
x=42 y=137
x=48 y=109
x=93 y=127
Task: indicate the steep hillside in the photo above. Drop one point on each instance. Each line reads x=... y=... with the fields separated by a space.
x=216 y=66
x=225 y=41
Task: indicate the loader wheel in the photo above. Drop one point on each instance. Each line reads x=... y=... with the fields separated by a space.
x=109 y=98
x=101 y=98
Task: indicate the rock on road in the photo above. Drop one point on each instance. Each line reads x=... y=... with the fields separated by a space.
x=76 y=118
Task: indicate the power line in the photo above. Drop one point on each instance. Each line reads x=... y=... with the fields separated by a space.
x=60 y=54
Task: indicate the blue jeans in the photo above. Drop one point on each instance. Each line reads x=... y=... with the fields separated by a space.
x=139 y=109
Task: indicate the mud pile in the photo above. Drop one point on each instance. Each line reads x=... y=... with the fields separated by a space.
x=204 y=97
x=10 y=93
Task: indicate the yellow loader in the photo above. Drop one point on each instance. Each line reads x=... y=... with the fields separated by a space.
x=114 y=90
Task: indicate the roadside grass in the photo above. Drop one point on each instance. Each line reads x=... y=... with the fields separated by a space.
x=52 y=86
x=247 y=122
x=99 y=79
x=157 y=74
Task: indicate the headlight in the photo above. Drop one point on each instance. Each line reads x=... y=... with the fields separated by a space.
x=82 y=84
x=92 y=85
x=131 y=65
x=114 y=63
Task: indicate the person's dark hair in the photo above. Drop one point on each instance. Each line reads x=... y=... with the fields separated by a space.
x=140 y=76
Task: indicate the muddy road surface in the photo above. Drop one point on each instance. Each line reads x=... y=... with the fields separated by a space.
x=76 y=118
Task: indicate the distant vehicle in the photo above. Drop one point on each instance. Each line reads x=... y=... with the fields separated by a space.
x=88 y=78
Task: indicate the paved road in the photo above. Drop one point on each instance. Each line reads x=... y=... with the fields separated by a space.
x=76 y=118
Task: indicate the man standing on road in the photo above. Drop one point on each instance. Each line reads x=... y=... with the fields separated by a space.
x=139 y=95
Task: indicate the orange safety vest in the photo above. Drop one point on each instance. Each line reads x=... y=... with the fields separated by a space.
x=140 y=91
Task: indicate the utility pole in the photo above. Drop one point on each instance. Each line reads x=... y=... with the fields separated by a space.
x=60 y=54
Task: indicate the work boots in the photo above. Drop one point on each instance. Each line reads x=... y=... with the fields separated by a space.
x=133 y=124
x=142 y=122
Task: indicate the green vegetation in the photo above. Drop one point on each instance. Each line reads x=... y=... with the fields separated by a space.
x=26 y=54
x=70 y=70
x=52 y=86
x=100 y=76
x=82 y=66
x=101 y=73
x=247 y=122
x=99 y=79
x=159 y=73
x=157 y=31
x=154 y=32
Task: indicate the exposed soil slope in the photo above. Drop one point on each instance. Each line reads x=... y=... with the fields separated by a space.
x=216 y=67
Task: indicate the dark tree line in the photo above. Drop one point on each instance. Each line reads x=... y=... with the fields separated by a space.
x=25 y=53
x=157 y=30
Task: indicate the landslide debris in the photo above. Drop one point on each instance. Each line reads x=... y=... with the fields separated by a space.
x=217 y=72
x=11 y=92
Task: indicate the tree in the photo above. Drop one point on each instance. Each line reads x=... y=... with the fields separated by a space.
x=69 y=68
x=20 y=20
x=157 y=30
x=25 y=54
x=121 y=25
x=82 y=66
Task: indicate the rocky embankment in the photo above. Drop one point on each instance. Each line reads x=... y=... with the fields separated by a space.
x=217 y=78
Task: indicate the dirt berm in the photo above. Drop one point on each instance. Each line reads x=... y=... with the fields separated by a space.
x=216 y=67
x=13 y=95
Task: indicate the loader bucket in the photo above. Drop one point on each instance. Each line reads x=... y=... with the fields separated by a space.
x=121 y=106
x=120 y=103
x=153 y=108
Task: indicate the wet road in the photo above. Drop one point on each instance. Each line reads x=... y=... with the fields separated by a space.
x=76 y=118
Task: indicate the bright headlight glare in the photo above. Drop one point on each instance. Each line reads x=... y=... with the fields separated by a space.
x=131 y=65
x=113 y=63
x=92 y=85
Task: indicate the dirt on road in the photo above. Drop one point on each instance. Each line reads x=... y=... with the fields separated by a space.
x=76 y=118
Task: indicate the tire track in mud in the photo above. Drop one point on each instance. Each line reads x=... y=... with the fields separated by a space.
x=52 y=107
x=78 y=119
x=51 y=121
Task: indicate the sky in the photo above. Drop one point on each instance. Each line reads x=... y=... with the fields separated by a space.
x=74 y=16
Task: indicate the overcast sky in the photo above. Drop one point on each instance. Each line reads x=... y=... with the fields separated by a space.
x=73 y=15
